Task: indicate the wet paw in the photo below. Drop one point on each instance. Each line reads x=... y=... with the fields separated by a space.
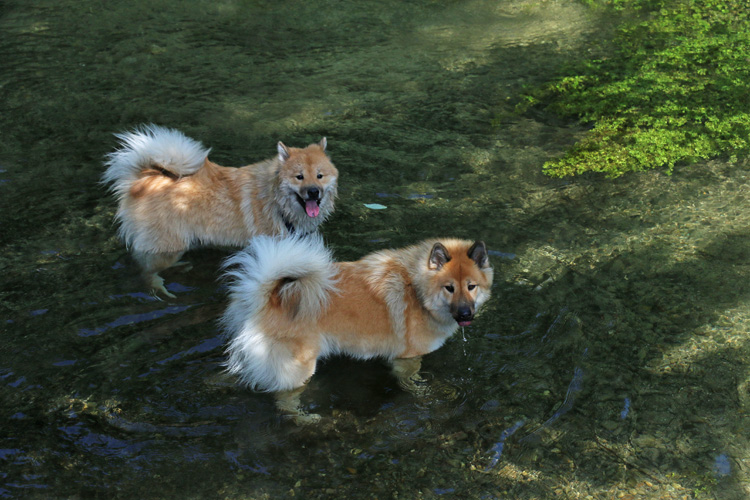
x=305 y=418
x=415 y=385
x=157 y=285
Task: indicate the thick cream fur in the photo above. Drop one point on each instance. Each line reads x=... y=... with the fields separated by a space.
x=291 y=304
x=173 y=198
x=255 y=356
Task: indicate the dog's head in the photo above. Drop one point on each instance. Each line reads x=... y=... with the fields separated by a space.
x=461 y=278
x=308 y=183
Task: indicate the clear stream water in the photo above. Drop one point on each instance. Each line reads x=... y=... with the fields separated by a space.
x=611 y=362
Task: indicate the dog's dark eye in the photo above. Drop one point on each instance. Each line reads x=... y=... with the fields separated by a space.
x=300 y=176
x=471 y=287
x=449 y=288
x=320 y=176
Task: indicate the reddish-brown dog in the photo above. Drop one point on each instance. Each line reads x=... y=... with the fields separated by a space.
x=291 y=305
x=173 y=198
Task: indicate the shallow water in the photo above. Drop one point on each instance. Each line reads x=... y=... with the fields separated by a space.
x=611 y=362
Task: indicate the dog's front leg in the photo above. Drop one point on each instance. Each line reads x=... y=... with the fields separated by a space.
x=288 y=403
x=406 y=371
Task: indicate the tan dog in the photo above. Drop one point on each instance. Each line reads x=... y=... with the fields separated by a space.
x=291 y=305
x=172 y=198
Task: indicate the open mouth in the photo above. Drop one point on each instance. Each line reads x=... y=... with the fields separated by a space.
x=464 y=323
x=311 y=206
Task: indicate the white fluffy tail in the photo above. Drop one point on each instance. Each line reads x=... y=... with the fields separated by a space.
x=296 y=271
x=152 y=145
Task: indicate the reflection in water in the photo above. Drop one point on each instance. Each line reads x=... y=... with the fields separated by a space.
x=497 y=448
x=576 y=384
x=141 y=296
x=66 y=362
x=207 y=345
x=722 y=465
x=234 y=458
x=625 y=409
x=133 y=319
x=502 y=255
x=101 y=444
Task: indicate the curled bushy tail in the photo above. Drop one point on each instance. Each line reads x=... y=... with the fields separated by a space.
x=152 y=145
x=297 y=268
x=294 y=273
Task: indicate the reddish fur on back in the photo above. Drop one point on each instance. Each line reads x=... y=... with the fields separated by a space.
x=172 y=197
x=389 y=304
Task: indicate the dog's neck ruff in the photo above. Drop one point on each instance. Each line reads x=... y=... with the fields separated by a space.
x=290 y=227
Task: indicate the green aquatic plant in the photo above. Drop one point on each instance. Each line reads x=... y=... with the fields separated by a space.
x=675 y=89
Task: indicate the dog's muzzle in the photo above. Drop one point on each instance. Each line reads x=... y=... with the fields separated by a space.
x=311 y=201
x=463 y=315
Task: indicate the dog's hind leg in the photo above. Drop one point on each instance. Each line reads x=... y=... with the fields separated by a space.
x=152 y=264
x=406 y=371
x=297 y=367
x=186 y=266
x=288 y=403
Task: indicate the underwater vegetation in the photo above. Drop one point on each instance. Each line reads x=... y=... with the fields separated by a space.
x=672 y=89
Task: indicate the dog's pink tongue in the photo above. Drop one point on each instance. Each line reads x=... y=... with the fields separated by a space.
x=312 y=208
x=464 y=323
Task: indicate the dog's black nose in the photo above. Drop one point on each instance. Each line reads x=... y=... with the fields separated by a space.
x=463 y=313
x=313 y=193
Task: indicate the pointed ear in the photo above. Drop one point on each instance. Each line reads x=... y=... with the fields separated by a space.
x=323 y=143
x=439 y=256
x=478 y=253
x=283 y=151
